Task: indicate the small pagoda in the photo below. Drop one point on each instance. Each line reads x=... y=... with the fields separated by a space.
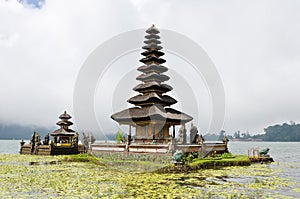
x=65 y=140
x=151 y=115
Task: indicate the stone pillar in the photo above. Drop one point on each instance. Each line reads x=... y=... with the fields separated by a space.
x=129 y=135
x=184 y=134
x=173 y=135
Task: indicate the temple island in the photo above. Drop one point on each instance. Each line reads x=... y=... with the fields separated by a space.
x=152 y=115
x=64 y=140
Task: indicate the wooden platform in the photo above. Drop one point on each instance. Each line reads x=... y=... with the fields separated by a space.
x=254 y=155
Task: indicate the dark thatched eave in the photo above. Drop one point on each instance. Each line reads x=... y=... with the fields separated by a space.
x=152 y=30
x=152 y=68
x=152 y=40
x=153 y=77
x=152 y=86
x=151 y=113
x=153 y=52
x=65 y=123
x=63 y=132
x=152 y=98
x=152 y=47
x=152 y=36
x=152 y=59
x=65 y=116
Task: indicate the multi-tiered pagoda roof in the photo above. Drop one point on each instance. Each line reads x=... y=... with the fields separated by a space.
x=64 y=124
x=152 y=104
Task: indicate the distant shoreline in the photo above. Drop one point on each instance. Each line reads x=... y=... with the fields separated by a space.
x=232 y=140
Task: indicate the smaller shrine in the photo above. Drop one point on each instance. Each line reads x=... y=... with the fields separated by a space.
x=64 y=140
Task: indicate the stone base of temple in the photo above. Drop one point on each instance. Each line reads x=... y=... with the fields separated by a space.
x=205 y=148
x=64 y=150
x=143 y=140
x=50 y=150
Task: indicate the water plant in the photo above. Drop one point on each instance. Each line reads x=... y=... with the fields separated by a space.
x=82 y=177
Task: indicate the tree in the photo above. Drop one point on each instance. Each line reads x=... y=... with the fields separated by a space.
x=284 y=132
x=237 y=135
x=119 y=136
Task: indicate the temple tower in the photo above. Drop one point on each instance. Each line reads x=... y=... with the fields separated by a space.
x=151 y=115
x=64 y=136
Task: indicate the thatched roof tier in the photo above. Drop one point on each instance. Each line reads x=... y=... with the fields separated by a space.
x=152 y=59
x=152 y=30
x=148 y=77
x=151 y=113
x=152 y=98
x=152 y=36
x=152 y=68
x=64 y=123
x=65 y=116
x=63 y=132
x=152 y=46
x=152 y=52
x=152 y=86
x=152 y=40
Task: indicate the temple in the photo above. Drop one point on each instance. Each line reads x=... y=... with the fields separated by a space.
x=151 y=120
x=151 y=115
x=64 y=140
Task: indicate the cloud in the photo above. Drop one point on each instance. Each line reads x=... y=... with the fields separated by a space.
x=42 y=51
x=253 y=44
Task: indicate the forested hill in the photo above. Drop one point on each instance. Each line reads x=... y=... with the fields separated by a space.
x=285 y=132
x=276 y=133
x=16 y=131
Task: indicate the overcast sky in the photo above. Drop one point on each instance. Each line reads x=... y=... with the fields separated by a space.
x=255 y=46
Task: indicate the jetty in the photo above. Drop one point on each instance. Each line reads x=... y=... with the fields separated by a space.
x=259 y=156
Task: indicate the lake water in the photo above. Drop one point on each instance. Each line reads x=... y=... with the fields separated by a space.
x=285 y=154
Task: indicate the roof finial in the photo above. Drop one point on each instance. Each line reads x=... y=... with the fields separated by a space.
x=153 y=25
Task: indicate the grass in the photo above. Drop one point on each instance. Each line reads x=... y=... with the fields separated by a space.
x=238 y=160
x=211 y=162
x=82 y=158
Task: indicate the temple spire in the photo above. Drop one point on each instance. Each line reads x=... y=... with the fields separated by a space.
x=150 y=115
x=64 y=122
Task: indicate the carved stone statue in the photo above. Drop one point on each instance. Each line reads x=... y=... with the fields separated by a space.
x=75 y=139
x=92 y=138
x=225 y=139
x=46 y=141
x=33 y=141
x=85 y=141
x=193 y=134
x=200 y=140
x=182 y=134
x=22 y=142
